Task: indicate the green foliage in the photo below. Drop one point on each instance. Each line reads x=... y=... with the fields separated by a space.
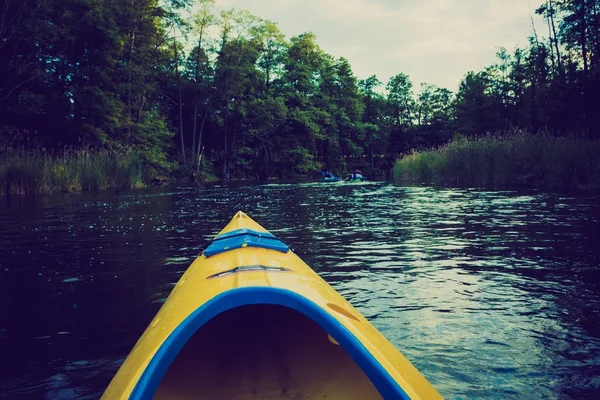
x=152 y=138
x=37 y=172
x=502 y=161
x=302 y=160
x=400 y=98
x=89 y=76
x=224 y=93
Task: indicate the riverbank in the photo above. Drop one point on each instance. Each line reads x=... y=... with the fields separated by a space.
x=38 y=172
x=524 y=160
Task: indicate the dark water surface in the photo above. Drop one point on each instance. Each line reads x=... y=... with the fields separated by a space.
x=489 y=294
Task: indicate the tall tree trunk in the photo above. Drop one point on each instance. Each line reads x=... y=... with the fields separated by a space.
x=583 y=28
x=180 y=104
x=196 y=78
x=129 y=85
x=130 y=63
x=195 y=125
x=535 y=79
x=558 y=57
x=551 y=45
x=268 y=69
x=142 y=101
x=268 y=76
x=534 y=119
x=225 y=160
x=200 y=136
x=535 y=36
x=596 y=35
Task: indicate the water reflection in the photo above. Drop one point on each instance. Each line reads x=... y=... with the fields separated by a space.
x=490 y=294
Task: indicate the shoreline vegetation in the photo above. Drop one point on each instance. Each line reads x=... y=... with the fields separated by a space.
x=189 y=90
x=493 y=161
x=37 y=172
x=500 y=161
x=30 y=172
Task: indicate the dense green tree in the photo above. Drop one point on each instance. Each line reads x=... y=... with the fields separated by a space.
x=272 y=49
x=300 y=85
x=400 y=97
x=200 y=74
x=476 y=107
x=181 y=84
x=374 y=136
x=84 y=72
x=349 y=112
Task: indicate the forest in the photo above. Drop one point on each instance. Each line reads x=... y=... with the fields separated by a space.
x=101 y=93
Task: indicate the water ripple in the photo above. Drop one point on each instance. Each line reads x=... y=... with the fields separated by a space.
x=490 y=294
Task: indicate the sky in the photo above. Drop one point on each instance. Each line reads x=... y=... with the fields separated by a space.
x=433 y=41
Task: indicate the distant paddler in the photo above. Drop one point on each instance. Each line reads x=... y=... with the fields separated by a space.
x=329 y=177
x=356 y=176
x=327 y=174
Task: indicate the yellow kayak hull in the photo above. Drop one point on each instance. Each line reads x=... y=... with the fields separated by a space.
x=249 y=319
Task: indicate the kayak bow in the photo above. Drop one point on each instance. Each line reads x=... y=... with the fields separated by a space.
x=248 y=320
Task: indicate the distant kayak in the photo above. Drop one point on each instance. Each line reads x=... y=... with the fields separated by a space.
x=250 y=320
x=356 y=180
x=355 y=177
x=333 y=179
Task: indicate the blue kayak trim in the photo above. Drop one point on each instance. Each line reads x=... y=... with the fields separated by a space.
x=244 y=231
x=148 y=383
x=244 y=238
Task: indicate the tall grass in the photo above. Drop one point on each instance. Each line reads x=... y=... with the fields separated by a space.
x=37 y=172
x=521 y=159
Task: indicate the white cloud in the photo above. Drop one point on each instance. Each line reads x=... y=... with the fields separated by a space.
x=434 y=41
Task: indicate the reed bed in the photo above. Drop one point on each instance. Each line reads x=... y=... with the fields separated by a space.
x=27 y=172
x=540 y=161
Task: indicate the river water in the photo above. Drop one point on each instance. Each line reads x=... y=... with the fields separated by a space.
x=490 y=294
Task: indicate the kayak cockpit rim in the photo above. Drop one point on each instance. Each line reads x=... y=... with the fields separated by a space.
x=153 y=374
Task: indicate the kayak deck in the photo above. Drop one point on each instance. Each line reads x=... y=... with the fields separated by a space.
x=264 y=352
x=249 y=319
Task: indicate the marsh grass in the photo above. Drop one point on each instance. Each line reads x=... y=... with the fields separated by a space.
x=520 y=159
x=38 y=172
